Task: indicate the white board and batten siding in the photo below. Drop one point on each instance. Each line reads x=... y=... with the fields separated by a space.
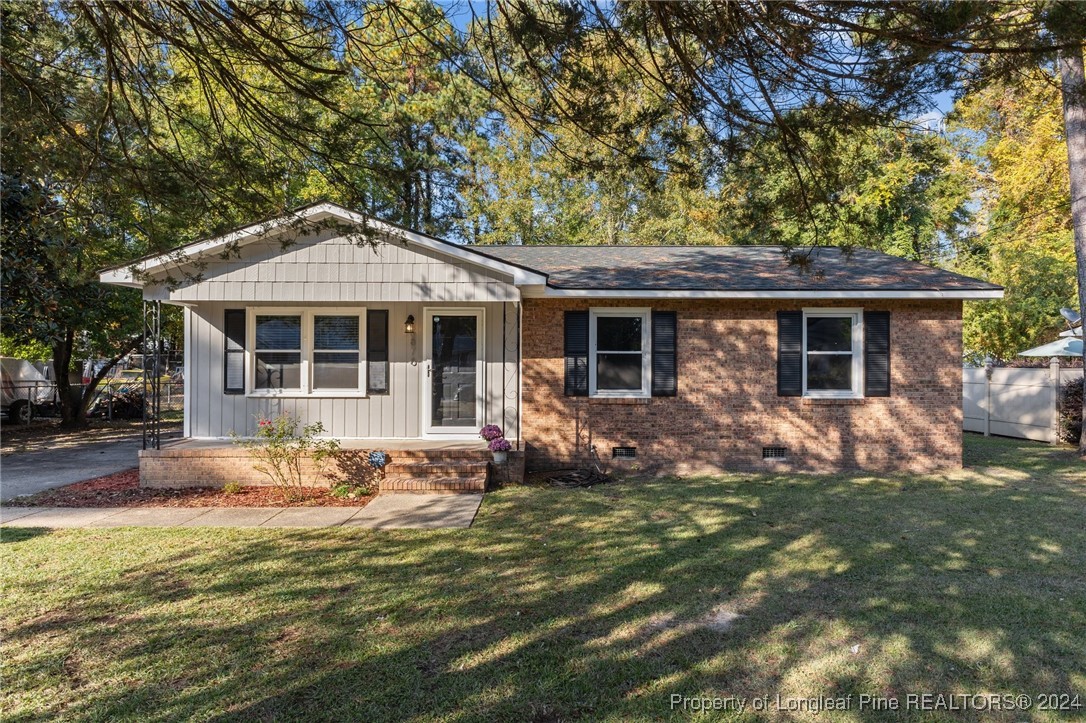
x=330 y=271
x=1022 y=403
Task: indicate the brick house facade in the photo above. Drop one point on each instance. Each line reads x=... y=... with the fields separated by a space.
x=727 y=408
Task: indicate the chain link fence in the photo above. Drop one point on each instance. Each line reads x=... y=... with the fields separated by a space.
x=120 y=397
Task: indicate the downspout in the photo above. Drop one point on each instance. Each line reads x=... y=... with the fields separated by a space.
x=520 y=378
x=505 y=382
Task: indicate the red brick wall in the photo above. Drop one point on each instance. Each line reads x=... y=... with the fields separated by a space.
x=215 y=465
x=727 y=406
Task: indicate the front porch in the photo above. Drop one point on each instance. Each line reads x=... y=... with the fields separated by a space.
x=414 y=465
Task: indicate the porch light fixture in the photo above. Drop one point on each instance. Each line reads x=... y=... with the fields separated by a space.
x=409 y=325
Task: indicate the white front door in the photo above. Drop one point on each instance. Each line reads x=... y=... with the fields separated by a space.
x=452 y=384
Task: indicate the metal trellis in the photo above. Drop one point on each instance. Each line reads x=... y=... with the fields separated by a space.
x=152 y=377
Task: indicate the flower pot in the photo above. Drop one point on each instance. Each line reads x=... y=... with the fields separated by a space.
x=500 y=457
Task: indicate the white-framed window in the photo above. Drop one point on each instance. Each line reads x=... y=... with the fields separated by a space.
x=833 y=353
x=337 y=355
x=620 y=347
x=277 y=353
x=314 y=351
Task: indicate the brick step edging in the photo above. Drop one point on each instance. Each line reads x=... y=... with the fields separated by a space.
x=424 y=469
x=434 y=484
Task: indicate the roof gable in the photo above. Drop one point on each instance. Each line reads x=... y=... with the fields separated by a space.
x=298 y=224
x=328 y=267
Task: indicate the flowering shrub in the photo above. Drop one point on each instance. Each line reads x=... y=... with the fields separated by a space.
x=501 y=444
x=279 y=449
x=378 y=460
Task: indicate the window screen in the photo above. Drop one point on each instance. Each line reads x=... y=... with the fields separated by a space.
x=335 y=352
x=829 y=353
x=278 y=352
x=619 y=353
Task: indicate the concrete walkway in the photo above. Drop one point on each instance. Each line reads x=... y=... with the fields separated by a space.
x=385 y=512
x=25 y=473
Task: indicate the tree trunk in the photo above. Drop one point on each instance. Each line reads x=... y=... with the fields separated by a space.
x=1073 y=83
x=62 y=362
x=73 y=407
x=91 y=389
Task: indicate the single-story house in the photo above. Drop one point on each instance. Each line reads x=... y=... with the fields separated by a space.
x=678 y=358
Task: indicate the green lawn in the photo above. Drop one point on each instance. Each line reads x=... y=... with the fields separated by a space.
x=563 y=604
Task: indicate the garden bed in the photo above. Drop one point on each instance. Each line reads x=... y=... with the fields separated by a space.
x=122 y=489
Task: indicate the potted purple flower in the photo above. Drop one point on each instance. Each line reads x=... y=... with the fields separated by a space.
x=491 y=432
x=500 y=447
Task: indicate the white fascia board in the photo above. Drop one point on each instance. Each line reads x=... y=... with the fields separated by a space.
x=124 y=276
x=539 y=292
x=119 y=277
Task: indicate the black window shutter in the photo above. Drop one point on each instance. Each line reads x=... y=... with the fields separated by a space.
x=377 y=351
x=876 y=353
x=665 y=377
x=789 y=353
x=576 y=353
x=233 y=376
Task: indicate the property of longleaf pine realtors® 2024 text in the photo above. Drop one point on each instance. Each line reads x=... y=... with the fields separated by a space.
x=930 y=702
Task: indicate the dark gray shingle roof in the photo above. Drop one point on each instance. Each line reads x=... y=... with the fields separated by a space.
x=728 y=268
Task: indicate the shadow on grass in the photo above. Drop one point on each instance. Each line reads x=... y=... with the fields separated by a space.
x=981 y=451
x=10 y=535
x=598 y=603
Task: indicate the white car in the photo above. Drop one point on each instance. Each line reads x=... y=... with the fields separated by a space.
x=23 y=389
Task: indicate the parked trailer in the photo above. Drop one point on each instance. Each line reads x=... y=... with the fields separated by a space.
x=24 y=391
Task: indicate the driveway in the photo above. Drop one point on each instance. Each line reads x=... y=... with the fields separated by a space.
x=25 y=473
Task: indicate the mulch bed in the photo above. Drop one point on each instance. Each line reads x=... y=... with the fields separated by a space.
x=123 y=490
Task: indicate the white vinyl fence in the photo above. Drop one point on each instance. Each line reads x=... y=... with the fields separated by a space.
x=1021 y=403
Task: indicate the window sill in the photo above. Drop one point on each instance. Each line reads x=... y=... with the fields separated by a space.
x=834 y=401
x=306 y=395
x=620 y=400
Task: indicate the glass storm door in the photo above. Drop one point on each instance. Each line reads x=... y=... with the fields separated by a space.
x=452 y=387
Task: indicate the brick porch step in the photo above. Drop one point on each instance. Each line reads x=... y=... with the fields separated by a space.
x=436 y=470
x=437 y=455
x=475 y=483
x=442 y=468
